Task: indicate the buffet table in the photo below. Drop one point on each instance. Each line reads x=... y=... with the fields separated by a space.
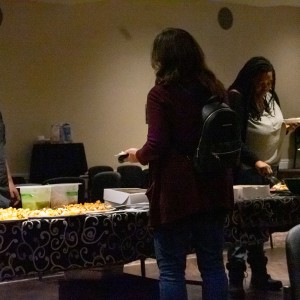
x=49 y=245
x=252 y=221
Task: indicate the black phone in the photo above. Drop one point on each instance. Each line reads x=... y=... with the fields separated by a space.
x=122 y=157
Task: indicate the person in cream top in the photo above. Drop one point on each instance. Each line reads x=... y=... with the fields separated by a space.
x=252 y=95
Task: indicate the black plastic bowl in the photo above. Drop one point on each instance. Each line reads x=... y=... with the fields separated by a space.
x=293 y=185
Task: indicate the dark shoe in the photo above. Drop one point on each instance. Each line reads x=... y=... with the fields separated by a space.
x=236 y=291
x=236 y=276
x=266 y=284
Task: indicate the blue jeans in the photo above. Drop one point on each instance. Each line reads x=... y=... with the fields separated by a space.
x=4 y=197
x=238 y=253
x=205 y=234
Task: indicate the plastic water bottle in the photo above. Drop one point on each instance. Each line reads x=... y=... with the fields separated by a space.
x=67 y=133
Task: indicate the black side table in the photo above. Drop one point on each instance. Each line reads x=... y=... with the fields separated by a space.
x=57 y=160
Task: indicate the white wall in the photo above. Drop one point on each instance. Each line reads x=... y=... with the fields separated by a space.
x=89 y=64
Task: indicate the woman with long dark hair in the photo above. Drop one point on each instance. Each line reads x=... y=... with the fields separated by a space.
x=187 y=209
x=252 y=95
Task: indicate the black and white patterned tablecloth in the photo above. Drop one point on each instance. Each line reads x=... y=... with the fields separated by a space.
x=43 y=246
x=40 y=246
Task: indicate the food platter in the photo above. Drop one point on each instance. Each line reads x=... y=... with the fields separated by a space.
x=97 y=212
x=292 y=120
x=45 y=217
x=72 y=210
x=13 y=220
x=12 y=214
x=280 y=187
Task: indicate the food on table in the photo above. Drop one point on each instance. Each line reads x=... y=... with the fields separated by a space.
x=292 y=120
x=281 y=186
x=12 y=213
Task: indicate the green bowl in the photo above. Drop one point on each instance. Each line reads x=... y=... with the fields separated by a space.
x=293 y=185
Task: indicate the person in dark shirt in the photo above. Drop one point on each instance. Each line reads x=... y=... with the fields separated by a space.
x=186 y=208
x=9 y=195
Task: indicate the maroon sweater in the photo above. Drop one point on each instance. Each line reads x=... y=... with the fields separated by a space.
x=176 y=191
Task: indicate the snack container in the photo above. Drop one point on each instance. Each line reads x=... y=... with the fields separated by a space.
x=125 y=196
x=247 y=192
x=63 y=194
x=35 y=197
x=238 y=192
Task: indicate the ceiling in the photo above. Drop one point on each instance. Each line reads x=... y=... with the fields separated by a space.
x=242 y=2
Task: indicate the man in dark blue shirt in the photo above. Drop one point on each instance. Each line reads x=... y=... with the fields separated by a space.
x=8 y=192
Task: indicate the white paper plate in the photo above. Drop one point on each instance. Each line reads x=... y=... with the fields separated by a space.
x=13 y=220
x=46 y=217
x=292 y=120
x=97 y=212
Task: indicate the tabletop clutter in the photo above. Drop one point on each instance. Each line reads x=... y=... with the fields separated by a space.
x=60 y=133
x=63 y=194
x=243 y=192
x=46 y=196
x=246 y=192
x=61 y=199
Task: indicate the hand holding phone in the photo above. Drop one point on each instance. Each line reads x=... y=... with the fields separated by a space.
x=122 y=156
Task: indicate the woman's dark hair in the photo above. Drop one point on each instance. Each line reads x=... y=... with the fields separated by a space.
x=245 y=82
x=178 y=58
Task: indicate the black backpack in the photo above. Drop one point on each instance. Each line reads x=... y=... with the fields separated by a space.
x=220 y=142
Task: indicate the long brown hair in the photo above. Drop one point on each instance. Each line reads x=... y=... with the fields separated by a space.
x=244 y=83
x=178 y=58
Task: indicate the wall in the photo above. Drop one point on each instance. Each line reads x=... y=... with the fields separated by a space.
x=89 y=64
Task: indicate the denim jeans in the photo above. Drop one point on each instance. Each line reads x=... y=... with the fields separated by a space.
x=256 y=253
x=4 y=202
x=205 y=234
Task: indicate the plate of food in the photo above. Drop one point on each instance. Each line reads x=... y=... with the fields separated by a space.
x=44 y=214
x=12 y=214
x=46 y=217
x=97 y=212
x=13 y=220
x=88 y=207
x=292 y=120
x=279 y=187
x=49 y=213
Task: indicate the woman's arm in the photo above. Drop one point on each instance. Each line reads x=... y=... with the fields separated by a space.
x=158 y=130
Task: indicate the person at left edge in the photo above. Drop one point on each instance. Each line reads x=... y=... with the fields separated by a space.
x=9 y=195
x=7 y=187
x=186 y=208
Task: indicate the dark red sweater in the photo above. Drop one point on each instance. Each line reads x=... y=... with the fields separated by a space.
x=176 y=191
